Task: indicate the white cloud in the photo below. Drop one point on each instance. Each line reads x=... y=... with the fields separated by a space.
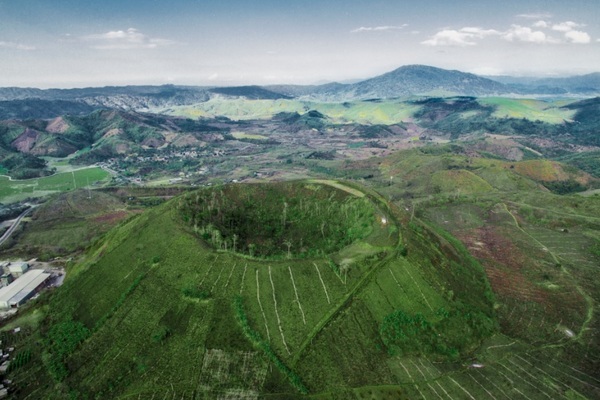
x=479 y=32
x=15 y=46
x=538 y=33
x=565 y=26
x=578 y=37
x=125 y=40
x=518 y=33
x=535 y=16
x=463 y=37
x=450 y=37
x=379 y=28
x=489 y=71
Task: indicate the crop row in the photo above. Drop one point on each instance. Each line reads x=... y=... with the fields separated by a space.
x=518 y=377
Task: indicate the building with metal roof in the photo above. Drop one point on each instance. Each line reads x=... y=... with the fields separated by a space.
x=18 y=268
x=23 y=288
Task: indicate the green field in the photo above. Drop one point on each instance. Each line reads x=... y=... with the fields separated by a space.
x=387 y=112
x=549 y=112
x=382 y=112
x=14 y=190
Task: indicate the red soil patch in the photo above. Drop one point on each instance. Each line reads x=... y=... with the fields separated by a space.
x=26 y=140
x=504 y=264
x=112 y=218
x=57 y=125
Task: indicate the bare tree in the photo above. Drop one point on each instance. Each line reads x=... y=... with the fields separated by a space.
x=285 y=208
x=235 y=239
x=288 y=243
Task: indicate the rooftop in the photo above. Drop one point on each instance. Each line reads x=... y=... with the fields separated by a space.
x=22 y=286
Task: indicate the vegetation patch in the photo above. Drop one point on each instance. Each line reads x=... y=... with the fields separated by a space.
x=282 y=220
x=195 y=292
x=63 y=338
x=459 y=180
x=449 y=334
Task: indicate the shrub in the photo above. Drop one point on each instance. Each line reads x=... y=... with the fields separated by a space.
x=195 y=292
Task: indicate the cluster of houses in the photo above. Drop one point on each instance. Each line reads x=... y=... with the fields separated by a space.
x=4 y=356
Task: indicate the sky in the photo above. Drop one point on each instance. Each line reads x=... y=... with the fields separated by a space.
x=75 y=43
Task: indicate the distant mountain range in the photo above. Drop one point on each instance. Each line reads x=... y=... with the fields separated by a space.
x=405 y=81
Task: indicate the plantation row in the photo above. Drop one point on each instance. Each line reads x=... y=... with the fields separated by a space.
x=517 y=377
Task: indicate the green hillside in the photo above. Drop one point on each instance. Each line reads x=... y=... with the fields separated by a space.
x=154 y=310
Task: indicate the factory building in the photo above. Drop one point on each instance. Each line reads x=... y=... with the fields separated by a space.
x=23 y=288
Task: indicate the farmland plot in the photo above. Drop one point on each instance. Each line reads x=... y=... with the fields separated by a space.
x=395 y=287
x=129 y=342
x=357 y=328
x=537 y=300
x=241 y=373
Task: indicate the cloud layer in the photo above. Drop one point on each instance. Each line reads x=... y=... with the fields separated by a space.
x=463 y=37
x=125 y=40
x=15 y=46
x=379 y=28
x=539 y=32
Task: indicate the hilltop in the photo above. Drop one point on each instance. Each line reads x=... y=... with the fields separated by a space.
x=422 y=80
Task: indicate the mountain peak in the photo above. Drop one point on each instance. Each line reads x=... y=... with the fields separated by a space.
x=426 y=80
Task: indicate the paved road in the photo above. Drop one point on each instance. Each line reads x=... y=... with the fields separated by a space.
x=14 y=225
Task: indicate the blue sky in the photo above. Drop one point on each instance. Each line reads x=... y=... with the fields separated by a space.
x=74 y=43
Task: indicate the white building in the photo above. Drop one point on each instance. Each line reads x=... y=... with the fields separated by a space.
x=23 y=288
x=18 y=268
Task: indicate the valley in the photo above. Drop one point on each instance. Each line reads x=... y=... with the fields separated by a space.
x=319 y=242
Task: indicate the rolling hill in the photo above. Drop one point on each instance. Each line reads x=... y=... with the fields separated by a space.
x=422 y=80
x=405 y=81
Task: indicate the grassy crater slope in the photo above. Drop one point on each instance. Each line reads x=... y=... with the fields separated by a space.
x=154 y=310
x=272 y=220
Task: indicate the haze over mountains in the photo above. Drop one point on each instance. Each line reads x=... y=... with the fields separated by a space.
x=402 y=82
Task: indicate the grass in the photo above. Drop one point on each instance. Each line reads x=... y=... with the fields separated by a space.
x=529 y=109
x=387 y=112
x=13 y=190
x=243 y=135
x=462 y=181
x=66 y=223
